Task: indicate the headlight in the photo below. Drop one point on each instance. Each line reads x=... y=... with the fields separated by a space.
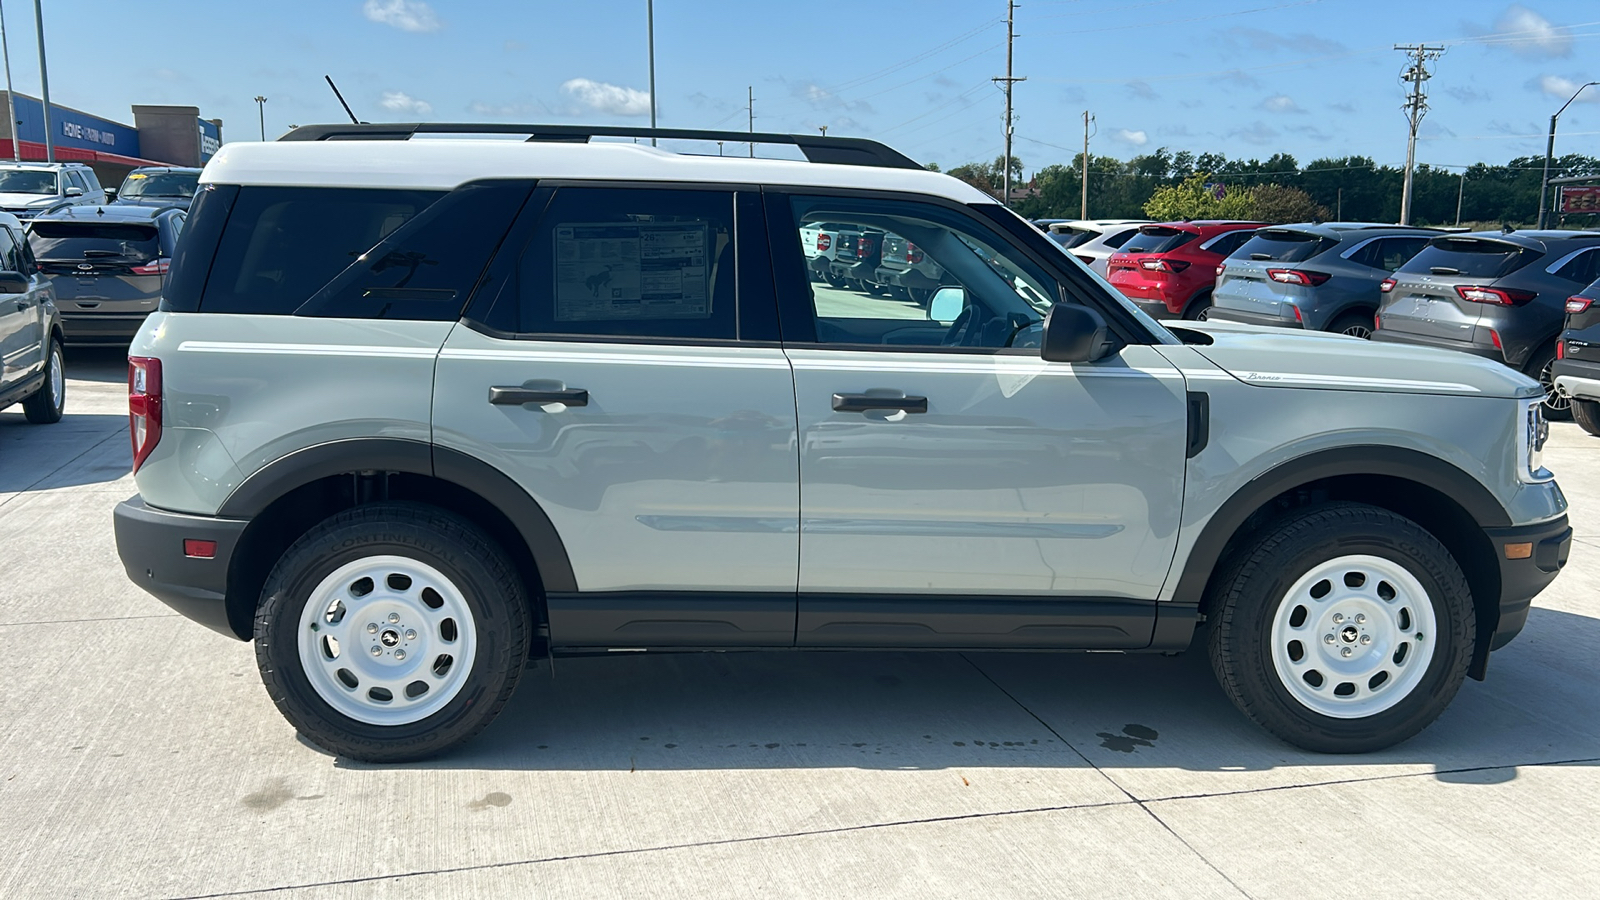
x=1532 y=432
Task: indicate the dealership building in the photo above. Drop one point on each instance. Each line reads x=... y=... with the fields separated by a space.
x=159 y=136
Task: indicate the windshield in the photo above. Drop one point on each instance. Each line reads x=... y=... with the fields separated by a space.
x=1473 y=257
x=1271 y=245
x=159 y=184
x=75 y=241
x=24 y=181
x=1157 y=239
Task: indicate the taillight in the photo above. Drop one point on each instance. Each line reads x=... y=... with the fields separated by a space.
x=824 y=242
x=1386 y=286
x=913 y=255
x=153 y=267
x=1296 y=276
x=1494 y=338
x=1578 y=304
x=1086 y=260
x=1221 y=267
x=1297 y=317
x=1497 y=296
x=864 y=245
x=1163 y=265
x=1561 y=349
x=144 y=406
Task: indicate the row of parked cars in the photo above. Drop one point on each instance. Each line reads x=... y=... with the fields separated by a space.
x=1502 y=295
x=103 y=252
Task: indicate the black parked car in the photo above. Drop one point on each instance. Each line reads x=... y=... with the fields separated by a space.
x=157 y=186
x=1577 y=365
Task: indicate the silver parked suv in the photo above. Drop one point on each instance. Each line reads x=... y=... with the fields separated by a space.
x=408 y=420
x=1322 y=277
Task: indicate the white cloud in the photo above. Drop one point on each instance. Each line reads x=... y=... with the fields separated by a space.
x=1140 y=90
x=1125 y=136
x=1257 y=133
x=611 y=99
x=502 y=110
x=1556 y=86
x=406 y=15
x=1530 y=34
x=1281 y=103
x=399 y=101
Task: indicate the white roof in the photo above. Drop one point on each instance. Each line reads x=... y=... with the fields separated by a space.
x=1100 y=225
x=443 y=164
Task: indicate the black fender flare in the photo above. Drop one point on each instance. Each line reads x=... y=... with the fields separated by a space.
x=318 y=461
x=1394 y=462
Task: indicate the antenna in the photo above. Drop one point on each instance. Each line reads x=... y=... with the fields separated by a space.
x=346 y=106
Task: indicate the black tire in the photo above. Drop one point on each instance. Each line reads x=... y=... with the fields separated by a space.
x=472 y=561
x=1356 y=323
x=1540 y=368
x=1255 y=582
x=1199 y=307
x=47 y=405
x=1587 y=414
x=920 y=296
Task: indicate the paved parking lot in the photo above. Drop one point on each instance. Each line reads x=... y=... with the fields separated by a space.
x=139 y=755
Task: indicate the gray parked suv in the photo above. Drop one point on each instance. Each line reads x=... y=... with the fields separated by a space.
x=1322 y=277
x=1577 y=365
x=510 y=400
x=1493 y=294
x=31 y=369
x=107 y=264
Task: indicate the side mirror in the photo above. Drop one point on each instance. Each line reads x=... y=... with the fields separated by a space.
x=74 y=191
x=111 y=194
x=13 y=283
x=947 y=304
x=1074 y=334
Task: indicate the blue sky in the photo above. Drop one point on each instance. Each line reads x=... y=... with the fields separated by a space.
x=1242 y=77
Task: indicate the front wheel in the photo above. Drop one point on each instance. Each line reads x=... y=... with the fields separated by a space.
x=1587 y=415
x=46 y=405
x=391 y=632
x=1343 y=628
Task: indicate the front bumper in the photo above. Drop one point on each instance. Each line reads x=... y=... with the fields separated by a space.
x=1486 y=351
x=1524 y=572
x=150 y=542
x=1577 y=379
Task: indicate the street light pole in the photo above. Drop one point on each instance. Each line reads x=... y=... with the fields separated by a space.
x=1549 y=154
x=650 y=26
x=261 y=109
x=11 y=104
x=44 y=84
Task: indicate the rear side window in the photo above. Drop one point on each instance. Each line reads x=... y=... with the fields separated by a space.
x=1473 y=257
x=10 y=256
x=282 y=244
x=1117 y=240
x=103 y=241
x=1157 y=240
x=1072 y=237
x=1228 y=242
x=629 y=262
x=1583 y=268
x=1271 y=245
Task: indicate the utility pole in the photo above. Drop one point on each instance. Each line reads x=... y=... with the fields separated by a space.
x=650 y=27
x=11 y=104
x=1549 y=154
x=1461 y=193
x=1008 y=81
x=261 y=109
x=1083 y=211
x=750 y=106
x=1416 y=106
x=44 y=84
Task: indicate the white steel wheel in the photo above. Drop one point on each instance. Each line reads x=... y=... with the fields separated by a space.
x=1353 y=637
x=387 y=640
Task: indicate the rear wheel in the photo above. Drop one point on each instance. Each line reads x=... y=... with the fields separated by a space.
x=391 y=632
x=49 y=402
x=1199 y=309
x=1587 y=415
x=1556 y=407
x=1356 y=323
x=1343 y=628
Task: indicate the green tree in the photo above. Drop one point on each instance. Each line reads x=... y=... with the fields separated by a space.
x=1279 y=204
x=1192 y=199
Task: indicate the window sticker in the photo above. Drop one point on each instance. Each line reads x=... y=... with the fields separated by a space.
x=632 y=270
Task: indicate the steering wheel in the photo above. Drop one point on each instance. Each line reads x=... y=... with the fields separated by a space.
x=957 y=335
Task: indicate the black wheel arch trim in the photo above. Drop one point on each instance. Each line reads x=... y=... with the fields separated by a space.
x=1396 y=462
x=318 y=461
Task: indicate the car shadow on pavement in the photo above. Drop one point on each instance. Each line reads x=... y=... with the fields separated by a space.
x=104 y=364
x=937 y=710
x=83 y=448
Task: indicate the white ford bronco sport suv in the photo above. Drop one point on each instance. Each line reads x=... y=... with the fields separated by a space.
x=414 y=411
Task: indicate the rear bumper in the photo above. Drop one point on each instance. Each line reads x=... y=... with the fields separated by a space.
x=906 y=278
x=1226 y=314
x=105 y=328
x=1155 y=309
x=1422 y=340
x=1577 y=379
x=1523 y=578
x=150 y=543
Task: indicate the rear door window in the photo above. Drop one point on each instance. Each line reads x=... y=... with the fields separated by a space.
x=10 y=256
x=1157 y=239
x=93 y=242
x=1282 y=245
x=1472 y=257
x=1582 y=268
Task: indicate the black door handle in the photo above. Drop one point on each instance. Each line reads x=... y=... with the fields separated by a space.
x=22 y=306
x=516 y=396
x=864 y=402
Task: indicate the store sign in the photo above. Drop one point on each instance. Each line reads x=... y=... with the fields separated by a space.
x=210 y=140
x=1579 y=199
x=72 y=128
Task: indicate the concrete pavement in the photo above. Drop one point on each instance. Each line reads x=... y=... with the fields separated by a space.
x=139 y=755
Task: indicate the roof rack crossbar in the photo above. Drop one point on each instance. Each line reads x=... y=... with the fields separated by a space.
x=818 y=149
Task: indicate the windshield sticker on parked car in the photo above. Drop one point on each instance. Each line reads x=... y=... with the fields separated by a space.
x=632 y=271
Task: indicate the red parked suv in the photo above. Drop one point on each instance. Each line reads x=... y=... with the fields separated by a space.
x=1170 y=268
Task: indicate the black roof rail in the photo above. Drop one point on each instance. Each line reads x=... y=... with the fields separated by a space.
x=818 y=149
